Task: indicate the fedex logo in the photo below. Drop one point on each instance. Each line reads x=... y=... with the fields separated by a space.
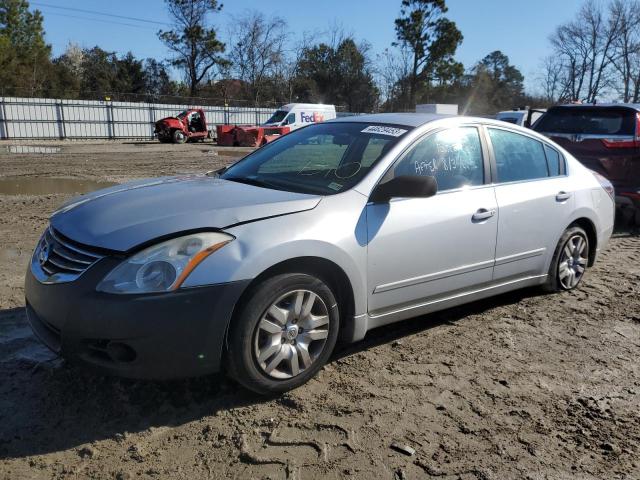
x=315 y=117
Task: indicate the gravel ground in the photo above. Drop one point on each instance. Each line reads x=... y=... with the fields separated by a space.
x=524 y=385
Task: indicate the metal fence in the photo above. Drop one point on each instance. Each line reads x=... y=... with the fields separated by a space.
x=44 y=118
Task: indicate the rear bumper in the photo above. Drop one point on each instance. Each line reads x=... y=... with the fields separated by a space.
x=156 y=336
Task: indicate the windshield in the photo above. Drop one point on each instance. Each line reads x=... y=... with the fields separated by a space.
x=509 y=119
x=584 y=120
x=183 y=114
x=324 y=158
x=277 y=117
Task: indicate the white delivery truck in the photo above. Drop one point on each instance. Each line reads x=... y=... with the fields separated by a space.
x=296 y=115
x=439 y=108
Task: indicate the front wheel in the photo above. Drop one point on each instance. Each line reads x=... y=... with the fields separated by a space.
x=283 y=334
x=179 y=136
x=569 y=262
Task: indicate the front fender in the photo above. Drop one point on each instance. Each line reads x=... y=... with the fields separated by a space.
x=323 y=232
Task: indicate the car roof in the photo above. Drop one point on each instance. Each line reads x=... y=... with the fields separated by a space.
x=406 y=119
x=634 y=106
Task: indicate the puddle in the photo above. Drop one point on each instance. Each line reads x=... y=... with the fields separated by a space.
x=47 y=185
x=31 y=149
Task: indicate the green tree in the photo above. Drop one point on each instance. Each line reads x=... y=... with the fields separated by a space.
x=100 y=73
x=24 y=54
x=339 y=75
x=194 y=44
x=157 y=79
x=430 y=36
x=505 y=82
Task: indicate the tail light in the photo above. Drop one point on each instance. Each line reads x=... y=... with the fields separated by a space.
x=625 y=143
x=605 y=184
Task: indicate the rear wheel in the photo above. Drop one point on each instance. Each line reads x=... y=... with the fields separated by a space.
x=283 y=334
x=179 y=136
x=569 y=262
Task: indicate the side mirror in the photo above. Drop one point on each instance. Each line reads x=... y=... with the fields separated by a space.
x=408 y=186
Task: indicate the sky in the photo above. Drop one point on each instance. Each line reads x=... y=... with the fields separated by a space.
x=519 y=28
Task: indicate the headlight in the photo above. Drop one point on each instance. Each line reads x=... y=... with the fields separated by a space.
x=165 y=266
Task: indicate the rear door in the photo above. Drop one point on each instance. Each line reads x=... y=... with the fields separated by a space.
x=604 y=139
x=535 y=201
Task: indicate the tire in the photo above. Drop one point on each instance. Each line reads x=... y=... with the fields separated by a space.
x=179 y=136
x=261 y=359
x=569 y=262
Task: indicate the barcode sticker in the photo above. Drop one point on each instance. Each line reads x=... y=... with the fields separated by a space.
x=382 y=130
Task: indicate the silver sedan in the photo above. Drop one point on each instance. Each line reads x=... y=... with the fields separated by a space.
x=332 y=230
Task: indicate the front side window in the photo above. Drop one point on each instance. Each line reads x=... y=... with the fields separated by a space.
x=453 y=157
x=291 y=119
x=323 y=158
x=517 y=157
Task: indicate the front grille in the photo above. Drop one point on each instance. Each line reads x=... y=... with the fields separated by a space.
x=62 y=259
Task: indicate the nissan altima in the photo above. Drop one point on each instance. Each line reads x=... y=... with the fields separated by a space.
x=324 y=234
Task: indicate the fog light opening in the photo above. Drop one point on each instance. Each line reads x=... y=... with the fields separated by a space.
x=120 y=352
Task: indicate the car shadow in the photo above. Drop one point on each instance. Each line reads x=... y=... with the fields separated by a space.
x=405 y=328
x=48 y=405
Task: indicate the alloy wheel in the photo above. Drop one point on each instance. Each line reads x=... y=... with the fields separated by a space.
x=573 y=261
x=291 y=334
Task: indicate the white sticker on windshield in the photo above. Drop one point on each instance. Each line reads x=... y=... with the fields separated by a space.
x=334 y=186
x=382 y=130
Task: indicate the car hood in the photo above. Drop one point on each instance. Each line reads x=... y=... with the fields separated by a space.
x=165 y=119
x=123 y=217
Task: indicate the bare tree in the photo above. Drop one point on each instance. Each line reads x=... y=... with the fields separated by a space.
x=258 y=49
x=625 y=55
x=585 y=46
x=392 y=74
x=553 y=80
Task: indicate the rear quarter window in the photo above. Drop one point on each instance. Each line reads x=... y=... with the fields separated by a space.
x=590 y=121
x=555 y=161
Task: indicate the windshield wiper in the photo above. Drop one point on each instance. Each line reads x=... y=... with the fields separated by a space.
x=251 y=181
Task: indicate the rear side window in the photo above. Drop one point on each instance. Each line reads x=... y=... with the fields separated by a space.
x=518 y=157
x=554 y=160
x=453 y=156
x=588 y=121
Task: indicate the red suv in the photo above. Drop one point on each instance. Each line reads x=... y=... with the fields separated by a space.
x=606 y=139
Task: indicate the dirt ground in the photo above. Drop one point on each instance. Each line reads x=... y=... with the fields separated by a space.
x=522 y=386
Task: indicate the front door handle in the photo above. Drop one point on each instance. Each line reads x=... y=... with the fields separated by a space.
x=483 y=214
x=562 y=196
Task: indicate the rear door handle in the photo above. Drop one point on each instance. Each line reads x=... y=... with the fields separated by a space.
x=483 y=214
x=562 y=196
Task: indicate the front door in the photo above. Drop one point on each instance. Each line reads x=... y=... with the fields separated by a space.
x=424 y=248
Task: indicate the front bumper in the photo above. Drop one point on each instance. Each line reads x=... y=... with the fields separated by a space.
x=155 y=336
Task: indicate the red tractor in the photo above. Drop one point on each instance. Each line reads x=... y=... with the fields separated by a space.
x=188 y=125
